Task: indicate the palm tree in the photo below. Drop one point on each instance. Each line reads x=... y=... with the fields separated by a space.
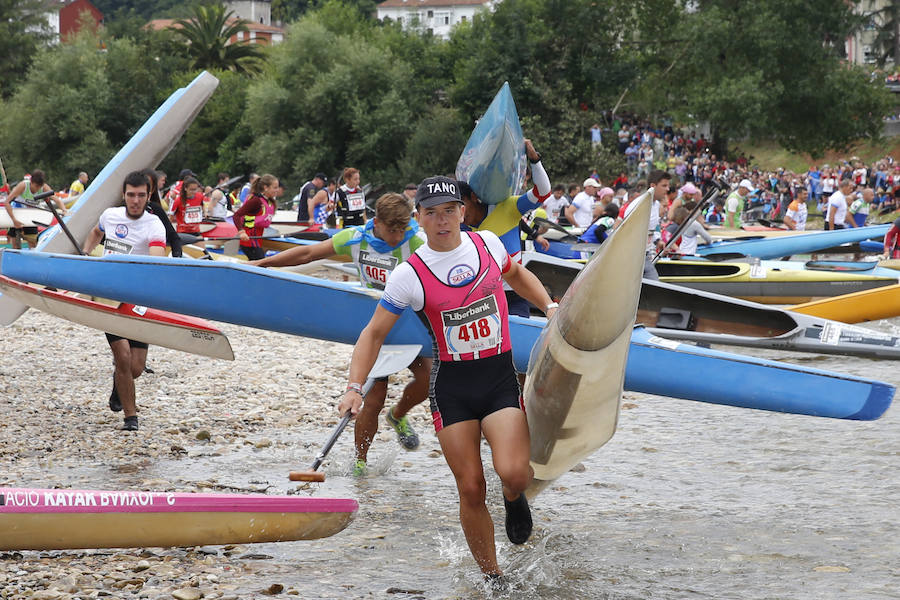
x=208 y=33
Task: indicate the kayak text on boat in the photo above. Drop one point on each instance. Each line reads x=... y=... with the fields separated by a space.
x=68 y=498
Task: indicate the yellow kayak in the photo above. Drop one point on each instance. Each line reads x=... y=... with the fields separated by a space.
x=787 y=284
x=868 y=305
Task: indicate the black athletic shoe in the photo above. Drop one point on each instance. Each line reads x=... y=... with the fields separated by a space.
x=115 y=404
x=518 y=519
x=131 y=424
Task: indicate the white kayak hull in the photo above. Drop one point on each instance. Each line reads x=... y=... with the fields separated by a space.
x=577 y=367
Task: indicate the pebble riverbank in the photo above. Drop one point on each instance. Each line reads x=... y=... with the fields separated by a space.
x=687 y=500
x=277 y=399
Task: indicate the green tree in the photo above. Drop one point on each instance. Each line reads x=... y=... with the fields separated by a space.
x=564 y=63
x=331 y=101
x=208 y=33
x=23 y=30
x=79 y=105
x=434 y=146
x=118 y=10
x=767 y=69
x=213 y=143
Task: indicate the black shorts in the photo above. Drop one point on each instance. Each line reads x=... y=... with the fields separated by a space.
x=470 y=390
x=12 y=231
x=253 y=252
x=131 y=343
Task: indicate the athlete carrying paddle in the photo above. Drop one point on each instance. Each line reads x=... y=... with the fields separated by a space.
x=455 y=283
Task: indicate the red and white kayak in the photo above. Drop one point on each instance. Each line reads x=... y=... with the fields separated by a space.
x=150 y=325
x=42 y=519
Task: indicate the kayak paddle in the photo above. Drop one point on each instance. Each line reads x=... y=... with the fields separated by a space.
x=391 y=359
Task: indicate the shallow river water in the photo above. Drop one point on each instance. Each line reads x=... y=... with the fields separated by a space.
x=688 y=500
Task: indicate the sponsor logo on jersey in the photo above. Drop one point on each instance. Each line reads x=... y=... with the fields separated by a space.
x=460 y=275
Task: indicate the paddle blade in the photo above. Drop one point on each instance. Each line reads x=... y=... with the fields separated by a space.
x=306 y=476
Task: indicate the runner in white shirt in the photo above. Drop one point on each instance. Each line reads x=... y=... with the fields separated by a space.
x=581 y=212
x=454 y=281
x=555 y=204
x=659 y=183
x=129 y=229
x=837 y=205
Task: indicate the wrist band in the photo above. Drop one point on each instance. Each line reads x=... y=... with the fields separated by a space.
x=356 y=387
x=551 y=305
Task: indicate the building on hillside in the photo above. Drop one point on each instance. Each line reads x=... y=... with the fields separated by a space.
x=257 y=33
x=255 y=11
x=860 y=47
x=64 y=17
x=437 y=17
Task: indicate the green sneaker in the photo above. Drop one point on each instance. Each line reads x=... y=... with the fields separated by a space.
x=405 y=433
x=359 y=469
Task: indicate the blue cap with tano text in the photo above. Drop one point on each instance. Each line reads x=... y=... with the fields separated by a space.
x=437 y=190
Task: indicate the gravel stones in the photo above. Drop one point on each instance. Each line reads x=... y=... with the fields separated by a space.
x=206 y=425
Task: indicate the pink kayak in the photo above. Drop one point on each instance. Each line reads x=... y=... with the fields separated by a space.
x=44 y=519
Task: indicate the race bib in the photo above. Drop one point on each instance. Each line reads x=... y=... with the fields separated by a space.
x=472 y=328
x=193 y=214
x=356 y=201
x=374 y=269
x=114 y=246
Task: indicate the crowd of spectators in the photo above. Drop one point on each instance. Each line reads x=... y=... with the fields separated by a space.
x=687 y=156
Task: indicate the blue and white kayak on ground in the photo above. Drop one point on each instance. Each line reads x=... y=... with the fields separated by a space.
x=653 y=364
x=777 y=247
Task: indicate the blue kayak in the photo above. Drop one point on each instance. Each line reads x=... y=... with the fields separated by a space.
x=493 y=161
x=871 y=246
x=653 y=366
x=788 y=245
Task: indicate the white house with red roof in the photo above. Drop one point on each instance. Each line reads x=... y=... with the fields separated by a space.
x=435 y=16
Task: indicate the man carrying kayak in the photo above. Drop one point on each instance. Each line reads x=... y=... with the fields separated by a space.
x=26 y=189
x=129 y=229
x=454 y=283
x=376 y=249
x=502 y=219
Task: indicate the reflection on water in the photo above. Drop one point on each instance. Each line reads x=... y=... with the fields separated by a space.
x=688 y=500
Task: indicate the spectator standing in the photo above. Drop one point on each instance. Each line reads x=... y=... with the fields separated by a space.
x=580 y=212
x=307 y=191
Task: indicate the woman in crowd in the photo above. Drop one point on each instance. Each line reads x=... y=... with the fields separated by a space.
x=255 y=215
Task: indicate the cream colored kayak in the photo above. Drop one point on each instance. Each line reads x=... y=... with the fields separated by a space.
x=146 y=148
x=52 y=519
x=577 y=366
x=868 y=305
x=29 y=217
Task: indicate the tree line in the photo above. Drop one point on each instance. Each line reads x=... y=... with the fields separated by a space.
x=344 y=89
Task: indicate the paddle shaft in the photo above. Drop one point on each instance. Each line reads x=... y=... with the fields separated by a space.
x=45 y=196
x=687 y=222
x=311 y=474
